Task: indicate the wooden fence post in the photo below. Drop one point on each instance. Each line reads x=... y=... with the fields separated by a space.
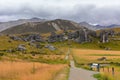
x=98 y=67
x=103 y=68
x=113 y=71
x=108 y=69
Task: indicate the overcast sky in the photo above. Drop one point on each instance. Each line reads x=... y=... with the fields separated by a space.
x=93 y=11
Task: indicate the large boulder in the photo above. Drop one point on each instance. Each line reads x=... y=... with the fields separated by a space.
x=104 y=36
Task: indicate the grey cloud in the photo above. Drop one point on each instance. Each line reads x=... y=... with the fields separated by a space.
x=90 y=13
x=93 y=14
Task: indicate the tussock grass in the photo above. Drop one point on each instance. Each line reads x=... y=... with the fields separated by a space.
x=24 y=71
x=86 y=56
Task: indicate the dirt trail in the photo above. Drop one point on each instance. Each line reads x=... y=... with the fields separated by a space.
x=80 y=74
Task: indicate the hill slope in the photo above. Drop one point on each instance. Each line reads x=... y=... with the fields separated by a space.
x=43 y=27
x=9 y=24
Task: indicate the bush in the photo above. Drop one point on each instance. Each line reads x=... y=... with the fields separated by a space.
x=1 y=54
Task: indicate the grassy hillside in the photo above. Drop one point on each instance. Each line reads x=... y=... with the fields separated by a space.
x=42 y=55
x=46 y=55
x=113 y=45
x=114 y=29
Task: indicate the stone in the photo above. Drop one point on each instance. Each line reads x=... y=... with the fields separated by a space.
x=104 y=37
x=50 y=47
x=21 y=47
x=102 y=59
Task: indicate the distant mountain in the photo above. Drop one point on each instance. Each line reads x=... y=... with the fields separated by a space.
x=43 y=27
x=113 y=26
x=6 y=25
x=109 y=26
x=97 y=27
x=87 y=25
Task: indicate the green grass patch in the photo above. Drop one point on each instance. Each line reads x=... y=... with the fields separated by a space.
x=103 y=77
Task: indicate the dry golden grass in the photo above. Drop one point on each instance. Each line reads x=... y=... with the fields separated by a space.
x=53 y=57
x=28 y=71
x=88 y=51
x=89 y=56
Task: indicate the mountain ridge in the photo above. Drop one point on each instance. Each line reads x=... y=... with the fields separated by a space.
x=98 y=26
x=9 y=24
x=43 y=27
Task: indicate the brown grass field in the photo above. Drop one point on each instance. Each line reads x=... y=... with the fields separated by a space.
x=28 y=70
x=86 y=56
x=89 y=56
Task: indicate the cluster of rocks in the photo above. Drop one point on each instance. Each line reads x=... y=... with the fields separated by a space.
x=31 y=38
x=82 y=35
x=22 y=47
x=55 y=37
x=34 y=39
x=79 y=36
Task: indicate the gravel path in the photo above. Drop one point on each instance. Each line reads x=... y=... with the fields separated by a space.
x=80 y=74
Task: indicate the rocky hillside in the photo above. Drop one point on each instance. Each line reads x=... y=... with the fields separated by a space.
x=43 y=27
